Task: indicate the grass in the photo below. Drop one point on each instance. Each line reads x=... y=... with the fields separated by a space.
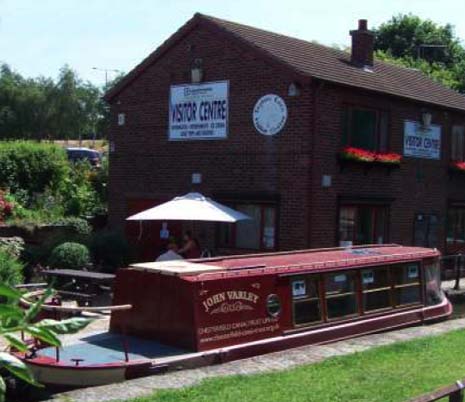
x=389 y=373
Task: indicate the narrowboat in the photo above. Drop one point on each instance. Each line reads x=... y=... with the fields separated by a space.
x=184 y=314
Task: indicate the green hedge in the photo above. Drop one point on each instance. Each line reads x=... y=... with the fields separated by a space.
x=32 y=167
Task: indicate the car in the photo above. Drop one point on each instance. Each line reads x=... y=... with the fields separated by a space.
x=84 y=154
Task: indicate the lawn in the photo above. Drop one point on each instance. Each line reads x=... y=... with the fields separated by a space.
x=389 y=373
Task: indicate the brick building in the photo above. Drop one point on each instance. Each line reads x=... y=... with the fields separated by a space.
x=314 y=101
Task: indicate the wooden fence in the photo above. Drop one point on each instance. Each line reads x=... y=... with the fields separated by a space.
x=453 y=392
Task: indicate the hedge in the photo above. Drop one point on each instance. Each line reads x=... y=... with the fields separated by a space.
x=31 y=166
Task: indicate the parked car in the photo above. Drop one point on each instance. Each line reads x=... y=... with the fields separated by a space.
x=80 y=154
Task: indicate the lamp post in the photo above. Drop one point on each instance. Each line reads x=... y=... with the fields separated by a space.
x=106 y=70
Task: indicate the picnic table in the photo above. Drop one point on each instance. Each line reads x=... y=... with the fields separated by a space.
x=87 y=288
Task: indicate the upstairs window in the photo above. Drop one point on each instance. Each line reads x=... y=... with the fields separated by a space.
x=366 y=129
x=457 y=150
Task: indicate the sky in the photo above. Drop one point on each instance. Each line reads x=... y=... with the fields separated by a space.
x=38 y=37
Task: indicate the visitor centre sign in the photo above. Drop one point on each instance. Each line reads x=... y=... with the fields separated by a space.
x=199 y=111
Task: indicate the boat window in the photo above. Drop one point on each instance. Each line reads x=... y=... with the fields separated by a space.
x=306 y=300
x=434 y=294
x=407 y=284
x=376 y=289
x=341 y=298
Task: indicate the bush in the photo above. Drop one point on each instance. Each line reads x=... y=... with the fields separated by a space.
x=70 y=256
x=11 y=270
x=32 y=167
x=13 y=246
x=110 y=250
x=79 y=225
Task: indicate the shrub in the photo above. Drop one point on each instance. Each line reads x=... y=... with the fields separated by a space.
x=70 y=256
x=110 y=250
x=79 y=225
x=11 y=270
x=13 y=246
x=32 y=166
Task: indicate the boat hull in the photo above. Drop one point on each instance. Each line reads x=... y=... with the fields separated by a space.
x=48 y=371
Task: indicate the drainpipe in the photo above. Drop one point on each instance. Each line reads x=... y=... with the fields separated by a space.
x=315 y=92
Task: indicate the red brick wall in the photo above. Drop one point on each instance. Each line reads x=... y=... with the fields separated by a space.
x=419 y=186
x=146 y=165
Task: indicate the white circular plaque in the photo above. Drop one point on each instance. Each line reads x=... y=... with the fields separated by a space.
x=269 y=114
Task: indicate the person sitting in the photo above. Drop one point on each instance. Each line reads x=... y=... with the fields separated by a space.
x=191 y=248
x=170 y=254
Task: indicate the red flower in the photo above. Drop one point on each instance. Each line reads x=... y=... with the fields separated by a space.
x=388 y=158
x=458 y=165
x=358 y=154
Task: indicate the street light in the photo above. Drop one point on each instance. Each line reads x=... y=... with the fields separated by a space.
x=106 y=70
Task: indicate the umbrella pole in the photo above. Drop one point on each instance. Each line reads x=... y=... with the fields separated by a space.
x=140 y=231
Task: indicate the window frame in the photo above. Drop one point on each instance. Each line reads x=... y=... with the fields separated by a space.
x=375 y=209
x=391 y=286
x=233 y=227
x=378 y=289
x=456 y=209
x=454 y=152
x=308 y=277
x=418 y=283
x=355 y=292
x=379 y=115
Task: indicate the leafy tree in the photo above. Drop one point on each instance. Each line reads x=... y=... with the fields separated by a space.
x=41 y=108
x=14 y=319
x=409 y=41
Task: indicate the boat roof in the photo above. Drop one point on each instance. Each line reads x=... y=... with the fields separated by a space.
x=289 y=262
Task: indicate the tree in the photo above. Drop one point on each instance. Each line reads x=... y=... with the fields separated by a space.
x=433 y=48
x=13 y=319
x=44 y=109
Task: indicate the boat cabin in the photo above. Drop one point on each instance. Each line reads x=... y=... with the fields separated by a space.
x=310 y=296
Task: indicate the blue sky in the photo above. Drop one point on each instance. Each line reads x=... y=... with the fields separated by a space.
x=37 y=37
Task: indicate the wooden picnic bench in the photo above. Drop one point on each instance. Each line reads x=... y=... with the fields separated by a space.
x=83 y=286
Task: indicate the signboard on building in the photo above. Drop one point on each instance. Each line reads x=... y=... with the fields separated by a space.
x=422 y=142
x=270 y=114
x=199 y=111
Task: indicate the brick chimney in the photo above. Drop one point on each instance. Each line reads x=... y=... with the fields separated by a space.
x=363 y=42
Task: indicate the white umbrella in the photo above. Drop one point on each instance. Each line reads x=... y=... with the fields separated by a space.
x=190 y=207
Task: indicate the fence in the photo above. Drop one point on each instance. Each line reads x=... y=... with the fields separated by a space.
x=454 y=263
x=454 y=392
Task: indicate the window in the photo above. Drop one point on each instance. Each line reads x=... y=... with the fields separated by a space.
x=258 y=233
x=341 y=297
x=406 y=284
x=376 y=289
x=366 y=128
x=426 y=229
x=434 y=293
x=362 y=224
x=306 y=300
x=457 y=151
x=456 y=226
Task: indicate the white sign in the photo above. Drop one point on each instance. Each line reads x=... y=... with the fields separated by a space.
x=299 y=288
x=199 y=111
x=368 y=277
x=269 y=114
x=422 y=142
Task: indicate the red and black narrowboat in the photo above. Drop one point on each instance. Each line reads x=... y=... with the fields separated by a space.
x=190 y=313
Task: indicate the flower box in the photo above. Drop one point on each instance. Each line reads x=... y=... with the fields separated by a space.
x=368 y=158
x=457 y=166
